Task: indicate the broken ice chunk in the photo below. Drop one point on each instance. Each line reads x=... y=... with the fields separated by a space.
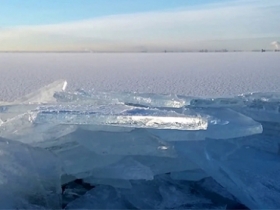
x=259 y=106
x=174 y=195
x=222 y=123
x=216 y=102
x=252 y=176
x=211 y=187
x=162 y=193
x=44 y=94
x=77 y=159
x=225 y=123
x=266 y=96
x=29 y=177
x=100 y=197
x=144 y=99
x=120 y=115
x=10 y=111
x=30 y=102
x=116 y=183
x=106 y=128
x=125 y=169
x=268 y=140
x=74 y=190
x=135 y=142
x=262 y=113
x=162 y=165
x=178 y=135
x=22 y=128
x=190 y=175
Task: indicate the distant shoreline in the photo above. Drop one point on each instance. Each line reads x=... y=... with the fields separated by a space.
x=200 y=51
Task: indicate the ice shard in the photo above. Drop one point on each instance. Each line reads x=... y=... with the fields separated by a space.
x=116 y=183
x=29 y=177
x=135 y=142
x=100 y=197
x=119 y=115
x=125 y=169
x=250 y=175
x=30 y=101
x=162 y=165
x=44 y=94
x=163 y=193
x=190 y=175
x=259 y=106
x=23 y=129
x=225 y=123
x=77 y=160
x=142 y=99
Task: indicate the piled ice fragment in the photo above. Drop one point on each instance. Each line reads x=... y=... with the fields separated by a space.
x=109 y=150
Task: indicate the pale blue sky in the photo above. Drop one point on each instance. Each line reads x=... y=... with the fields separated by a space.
x=36 y=12
x=133 y=25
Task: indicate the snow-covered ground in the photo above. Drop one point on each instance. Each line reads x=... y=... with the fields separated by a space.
x=197 y=74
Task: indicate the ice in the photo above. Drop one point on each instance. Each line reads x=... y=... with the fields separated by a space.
x=142 y=99
x=22 y=128
x=44 y=94
x=259 y=106
x=12 y=110
x=116 y=183
x=77 y=160
x=194 y=175
x=119 y=115
x=29 y=177
x=250 y=175
x=74 y=190
x=163 y=193
x=100 y=197
x=125 y=169
x=135 y=142
x=268 y=140
x=162 y=165
x=140 y=151
x=266 y=96
x=209 y=185
x=226 y=123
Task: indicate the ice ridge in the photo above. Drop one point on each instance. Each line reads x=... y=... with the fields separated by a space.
x=109 y=150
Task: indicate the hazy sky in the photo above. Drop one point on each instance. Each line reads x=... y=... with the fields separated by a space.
x=125 y=25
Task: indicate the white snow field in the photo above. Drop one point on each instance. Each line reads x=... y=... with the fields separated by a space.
x=63 y=147
x=197 y=74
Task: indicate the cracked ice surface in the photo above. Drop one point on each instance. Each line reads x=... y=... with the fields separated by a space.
x=139 y=150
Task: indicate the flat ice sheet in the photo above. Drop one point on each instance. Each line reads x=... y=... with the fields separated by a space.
x=196 y=74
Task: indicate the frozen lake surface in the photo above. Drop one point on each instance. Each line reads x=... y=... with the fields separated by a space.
x=197 y=74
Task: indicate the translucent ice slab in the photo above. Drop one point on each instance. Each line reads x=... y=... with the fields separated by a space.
x=77 y=160
x=144 y=99
x=30 y=101
x=135 y=142
x=125 y=169
x=100 y=197
x=225 y=123
x=116 y=183
x=252 y=176
x=119 y=115
x=194 y=175
x=259 y=106
x=29 y=177
x=163 y=193
x=44 y=94
x=22 y=128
